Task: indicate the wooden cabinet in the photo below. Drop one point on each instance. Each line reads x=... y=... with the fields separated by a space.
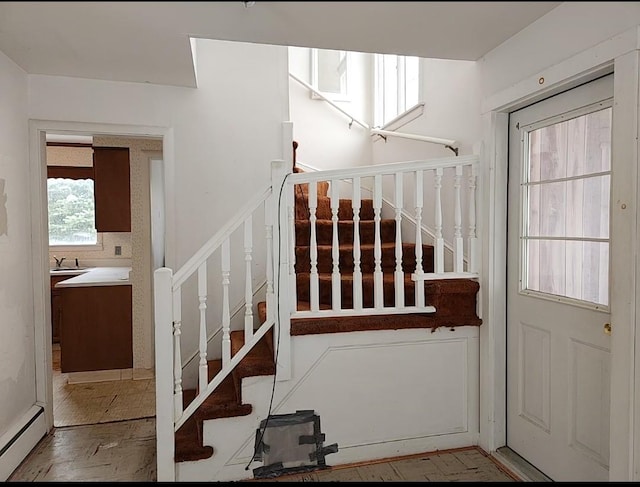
x=56 y=308
x=112 y=189
x=96 y=328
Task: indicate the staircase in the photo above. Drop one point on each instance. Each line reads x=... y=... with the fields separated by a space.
x=454 y=299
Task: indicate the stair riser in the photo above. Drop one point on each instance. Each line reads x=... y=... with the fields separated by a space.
x=367 y=262
x=324 y=211
x=302 y=190
x=346 y=299
x=453 y=298
x=324 y=232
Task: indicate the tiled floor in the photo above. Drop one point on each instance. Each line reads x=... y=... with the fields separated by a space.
x=122 y=451
x=126 y=451
x=464 y=464
x=99 y=402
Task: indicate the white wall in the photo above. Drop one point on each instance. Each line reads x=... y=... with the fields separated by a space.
x=17 y=362
x=225 y=135
x=226 y=132
x=568 y=29
x=322 y=132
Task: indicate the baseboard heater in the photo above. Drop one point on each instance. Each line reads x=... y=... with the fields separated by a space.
x=20 y=439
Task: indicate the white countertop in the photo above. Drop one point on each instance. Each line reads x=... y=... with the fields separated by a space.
x=97 y=276
x=69 y=271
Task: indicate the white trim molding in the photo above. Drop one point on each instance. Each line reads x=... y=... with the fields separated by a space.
x=40 y=234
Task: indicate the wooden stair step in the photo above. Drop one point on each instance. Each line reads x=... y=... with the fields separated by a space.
x=367 y=262
x=226 y=391
x=346 y=286
x=303 y=188
x=344 y=324
x=324 y=232
x=226 y=400
x=324 y=211
x=188 y=438
x=259 y=361
x=451 y=297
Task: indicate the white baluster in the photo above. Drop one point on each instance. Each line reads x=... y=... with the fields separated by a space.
x=399 y=274
x=419 y=285
x=458 y=250
x=473 y=240
x=335 y=248
x=177 y=356
x=248 y=284
x=439 y=241
x=357 y=271
x=378 y=296
x=226 y=318
x=270 y=298
x=203 y=377
x=314 y=279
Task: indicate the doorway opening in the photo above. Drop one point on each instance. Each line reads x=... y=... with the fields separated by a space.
x=102 y=350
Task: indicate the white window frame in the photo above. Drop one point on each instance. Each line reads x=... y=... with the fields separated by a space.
x=406 y=111
x=344 y=94
x=98 y=246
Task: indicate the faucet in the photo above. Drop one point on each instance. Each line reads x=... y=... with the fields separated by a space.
x=58 y=261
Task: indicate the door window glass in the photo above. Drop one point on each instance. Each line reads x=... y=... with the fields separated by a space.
x=565 y=235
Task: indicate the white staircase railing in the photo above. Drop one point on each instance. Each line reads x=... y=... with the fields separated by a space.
x=465 y=252
x=277 y=207
x=168 y=298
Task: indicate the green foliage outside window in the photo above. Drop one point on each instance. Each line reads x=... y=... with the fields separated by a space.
x=71 y=212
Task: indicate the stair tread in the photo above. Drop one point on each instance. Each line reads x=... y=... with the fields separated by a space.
x=188 y=446
x=226 y=391
x=259 y=361
x=365 y=246
x=328 y=222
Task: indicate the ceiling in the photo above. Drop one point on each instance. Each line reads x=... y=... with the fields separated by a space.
x=150 y=41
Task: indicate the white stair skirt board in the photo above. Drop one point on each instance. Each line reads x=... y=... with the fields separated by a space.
x=379 y=394
x=20 y=439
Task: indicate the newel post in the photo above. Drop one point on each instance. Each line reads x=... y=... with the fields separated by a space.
x=281 y=279
x=163 y=310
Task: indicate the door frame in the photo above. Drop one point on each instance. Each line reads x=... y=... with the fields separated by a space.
x=619 y=55
x=40 y=233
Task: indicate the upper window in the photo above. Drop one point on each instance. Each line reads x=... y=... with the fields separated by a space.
x=329 y=73
x=397 y=86
x=71 y=206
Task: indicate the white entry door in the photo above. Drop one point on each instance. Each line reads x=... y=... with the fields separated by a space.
x=558 y=343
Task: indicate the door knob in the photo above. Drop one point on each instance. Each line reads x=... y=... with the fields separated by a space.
x=607 y=328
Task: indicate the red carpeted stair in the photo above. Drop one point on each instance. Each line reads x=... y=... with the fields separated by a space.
x=455 y=302
x=226 y=400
